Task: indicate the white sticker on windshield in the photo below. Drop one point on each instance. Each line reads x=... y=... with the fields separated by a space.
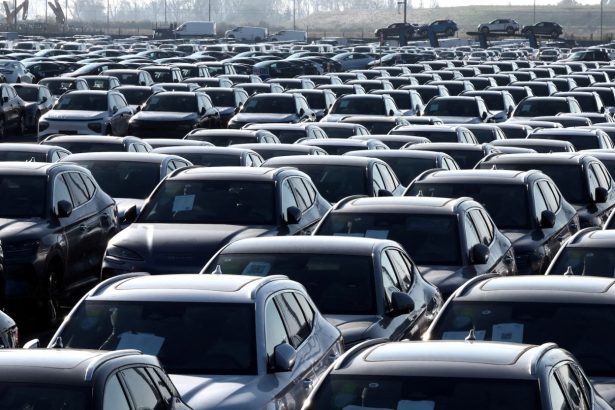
x=507 y=332
x=376 y=234
x=145 y=342
x=416 y=405
x=256 y=269
x=461 y=335
x=183 y=203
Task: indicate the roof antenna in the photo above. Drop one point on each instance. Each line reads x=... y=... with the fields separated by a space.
x=217 y=271
x=569 y=271
x=57 y=343
x=471 y=337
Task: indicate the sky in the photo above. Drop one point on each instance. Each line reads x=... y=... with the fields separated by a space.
x=451 y=3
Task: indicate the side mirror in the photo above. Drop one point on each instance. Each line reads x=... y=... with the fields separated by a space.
x=384 y=192
x=479 y=254
x=32 y=344
x=65 y=208
x=547 y=219
x=391 y=113
x=142 y=83
x=130 y=215
x=5 y=99
x=293 y=215
x=203 y=111
x=43 y=100
x=284 y=357
x=114 y=110
x=401 y=303
x=301 y=112
x=138 y=108
x=484 y=115
x=601 y=195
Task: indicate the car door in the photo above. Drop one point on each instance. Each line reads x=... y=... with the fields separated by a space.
x=7 y=109
x=124 y=113
x=605 y=181
x=16 y=105
x=561 y=230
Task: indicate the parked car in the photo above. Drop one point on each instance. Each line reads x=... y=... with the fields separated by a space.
x=37 y=100
x=58 y=222
x=580 y=138
x=224 y=137
x=508 y=26
x=15 y=72
x=93 y=143
x=59 y=85
x=544 y=28
x=396 y=30
x=131 y=77
x=31 y=152
x=9 y=335
x=369 y=104
x=228 y=101
x=269 y=108
x=235 y=156
x=269 y=335
x=438 y=27
x=588 y=253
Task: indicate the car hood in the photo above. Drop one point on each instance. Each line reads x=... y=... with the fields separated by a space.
x=353 y=327
x=459 y=120
x=211 y=392
x=605 y=387
x=11 y=229
x=181 y=248
x=74 y=115
x=262 y=118
x=162 y=116
x=446 y=278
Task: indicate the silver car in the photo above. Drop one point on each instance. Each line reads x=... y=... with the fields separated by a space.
x=87 y=113
x=15 y=72
x=227 y=341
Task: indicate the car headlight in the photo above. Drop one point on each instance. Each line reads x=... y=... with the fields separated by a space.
x=95 y=126
x=118 y=252
x=43 y=125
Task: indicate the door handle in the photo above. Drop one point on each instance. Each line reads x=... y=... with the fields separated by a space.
x=308 y=383
x=84 y=228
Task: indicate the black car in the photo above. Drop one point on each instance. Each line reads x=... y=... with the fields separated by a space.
x=267 y=150
x=131 y=77
x=573 y=311
x=136 y=95
x=224 y=138
x=517 y=92
x=396 y=30
x=526 y=206
x=538 y=106
x=180 y=227
x=174 y=114
x=85 y=379
x=320 y=101
x=37 y=101
x=45 y=69
x=582 y=139
x=235 y=156
x=260 y=88
x=268 y=108
x=368 y=104
x=582 y=179
x=164 y=74
x=514 y=131
x=97 y=143
x=544 y=28
x=451 y=240
x=465 y=155
x=454 y=375
x=337 y=177
x=31 y=152
x=54 y=232
x=368 y=288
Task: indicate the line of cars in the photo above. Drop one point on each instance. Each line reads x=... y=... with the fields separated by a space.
x=316 y=238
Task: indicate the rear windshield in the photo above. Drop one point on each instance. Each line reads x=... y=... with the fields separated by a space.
x=365 y=106
x=335 y=182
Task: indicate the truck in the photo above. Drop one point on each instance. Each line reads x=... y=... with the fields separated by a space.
x=244 y=33
x=196 y=29
x=289 y=35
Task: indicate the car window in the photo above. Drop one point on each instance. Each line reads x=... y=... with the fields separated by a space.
x=114 y=397
x=571 y=387
x=89 y=185
x=558 y=400
x=310 y=189
x=600 y=176
x=301 y=194
x=378 y=181
x=607 y=175
x=288 y=198
x=548 y=195
x=119 y=101
x=275 y=332
x=592 y=181
x=488 y=223
x=390 y=182
x=556 y=193
x=480 y=224
x=292 y=315
x=78 y=188
x=5 y=93
x=256 y=161
x=539 y=202
x=389 y=279
x=472 y=237
x=60 y=191
x=142 y=390
x=161 y=384
x=402 y=267
x=306 y=308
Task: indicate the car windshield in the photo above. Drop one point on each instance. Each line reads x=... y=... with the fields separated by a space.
x=269 y=105
x=230 y=202
x=337 y=132
x=541 y=107
x=316 y=101
x=580 y=142
x=212 y=160
x=58 y=87
x=585 y=262
x=466 y=159
x=29 y=94
x=24 y=196
x=171 y=102
x=161 y=76
x=224 y=140
x=188 y=72
x=433 y=136
x=364 y=106
x=568 y=178
x=222 y=98
x=338 y=284
x=335 y=182
x=289 y=136
x=29 y=395
x=484 y=135
x=126 y=78
x=585 y=330
x=178 y=333
x=429 y=239
x=507 y=204
x=345 y=392
x=407 y=169
x=82 y=102
x=124 y=179
x=452 y=108
x=378 y=127
x=23 y=156
x=136 y=96
x=402 y=100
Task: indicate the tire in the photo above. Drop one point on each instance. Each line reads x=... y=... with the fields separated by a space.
x=510 y=30
x=485 y=30
x=449 y=32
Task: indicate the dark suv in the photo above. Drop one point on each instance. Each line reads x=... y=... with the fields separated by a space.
x=544 y=28
x=56 y=222
x=84 y=379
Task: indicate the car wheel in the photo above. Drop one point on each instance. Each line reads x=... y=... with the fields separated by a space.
x=485 y=30
x=449 y=32
x=554 y=34
x=510 y=30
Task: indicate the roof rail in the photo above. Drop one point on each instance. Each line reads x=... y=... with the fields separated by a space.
x=267 y=280
x=353 y=351
x=105 y=357
x=178 y=170
x=577 y=236
x=463 y=289
x=349 y=198
x=424 y=174
x=543 y=349
x=107 y=283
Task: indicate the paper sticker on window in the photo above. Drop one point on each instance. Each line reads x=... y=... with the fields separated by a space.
x=461 y=335
x=507 y=332
x=145 y=342
x=183 y=203
x=377 y=234
x=256 y=269
x=416 y=405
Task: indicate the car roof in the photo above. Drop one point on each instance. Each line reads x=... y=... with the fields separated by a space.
x=436 y=146
x=117 y=156
x=440 y=358
x=553 y=158
x=85 y=138
x=225 y=173
x=341 y=160
x=483 y=176
x=35 y=148
x=403 y=205
x=29 y=168
x=190 y=149
x=593 y=238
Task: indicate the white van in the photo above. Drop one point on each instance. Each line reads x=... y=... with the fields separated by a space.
x=289 y=35
x=196 y=29
x=244 y=33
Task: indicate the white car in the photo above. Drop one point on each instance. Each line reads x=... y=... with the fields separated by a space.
x=508 y=26
x=15 y=72
x=87 y=112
